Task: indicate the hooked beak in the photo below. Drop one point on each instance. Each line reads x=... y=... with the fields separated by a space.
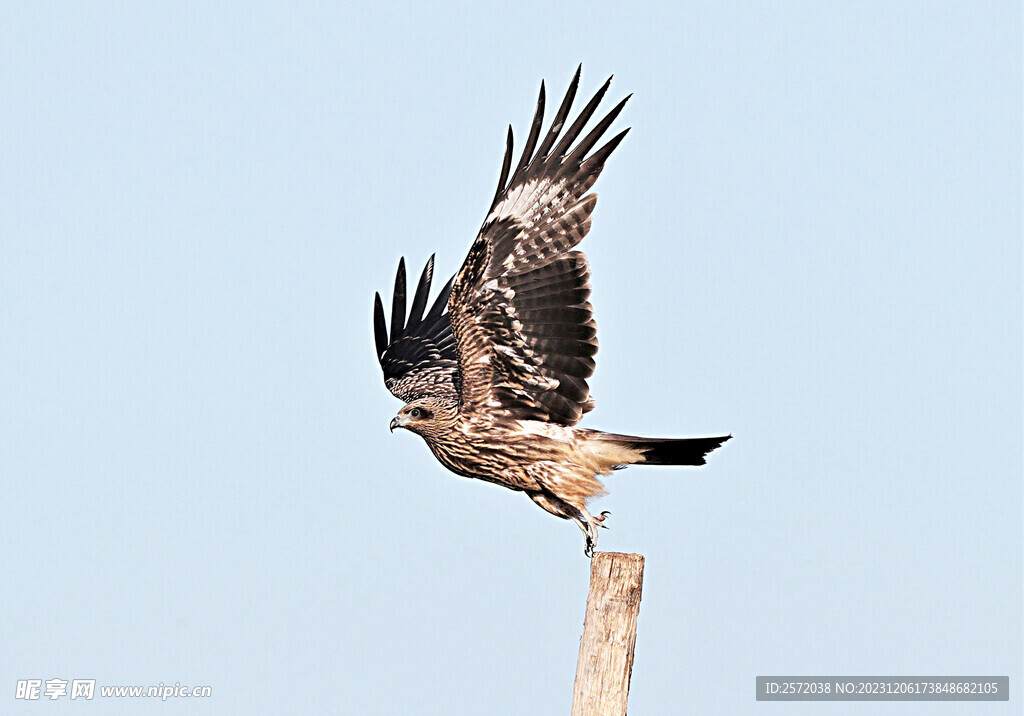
x=395 y=423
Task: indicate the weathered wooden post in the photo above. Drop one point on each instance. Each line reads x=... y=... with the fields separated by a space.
x=609 y=633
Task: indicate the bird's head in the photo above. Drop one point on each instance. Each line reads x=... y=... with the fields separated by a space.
x=425 y=416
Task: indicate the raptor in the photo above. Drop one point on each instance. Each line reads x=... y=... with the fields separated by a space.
x=494 y=373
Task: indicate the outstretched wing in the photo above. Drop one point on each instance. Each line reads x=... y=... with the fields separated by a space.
x=419 y=358
x=525 y=332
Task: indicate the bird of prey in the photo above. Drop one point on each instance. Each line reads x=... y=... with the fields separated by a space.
x=494 y=374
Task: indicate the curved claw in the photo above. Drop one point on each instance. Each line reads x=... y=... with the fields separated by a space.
x=588 y=524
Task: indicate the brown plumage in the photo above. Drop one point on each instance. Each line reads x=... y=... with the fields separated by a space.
x=496 y=383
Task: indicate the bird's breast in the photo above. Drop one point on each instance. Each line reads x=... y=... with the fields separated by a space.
x=489 y=451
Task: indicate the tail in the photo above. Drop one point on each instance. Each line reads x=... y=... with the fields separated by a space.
x=666 y=451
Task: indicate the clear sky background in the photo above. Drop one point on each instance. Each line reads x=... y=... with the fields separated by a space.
x=811 y=239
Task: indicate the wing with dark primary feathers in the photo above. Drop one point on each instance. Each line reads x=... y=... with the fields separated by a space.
x=525 y=332
x=419 y=358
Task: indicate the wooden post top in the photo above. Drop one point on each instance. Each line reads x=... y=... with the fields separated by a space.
x=609 y=634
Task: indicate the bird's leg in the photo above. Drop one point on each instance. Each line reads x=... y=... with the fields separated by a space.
x=589 y=524
x=566 y=510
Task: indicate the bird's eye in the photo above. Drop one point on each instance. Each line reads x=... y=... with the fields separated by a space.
x=415 y=413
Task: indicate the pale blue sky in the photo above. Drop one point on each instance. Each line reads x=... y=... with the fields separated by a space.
x=811 y=239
